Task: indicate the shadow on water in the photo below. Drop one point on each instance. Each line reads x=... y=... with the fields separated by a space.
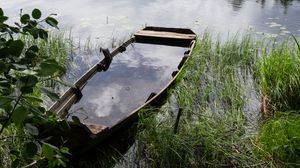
x=108 y=153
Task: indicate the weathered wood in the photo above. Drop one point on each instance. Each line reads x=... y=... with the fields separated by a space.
x=163 y=34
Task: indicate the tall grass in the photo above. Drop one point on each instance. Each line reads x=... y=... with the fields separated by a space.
x=212 y=96
x=279 y=78
x=58 y=46
x=279 y=140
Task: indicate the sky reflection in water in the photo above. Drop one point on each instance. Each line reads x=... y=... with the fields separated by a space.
x=142 y=70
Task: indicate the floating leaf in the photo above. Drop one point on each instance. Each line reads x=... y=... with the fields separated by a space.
x=36 y=14
x=31 y=129
x=19 y=115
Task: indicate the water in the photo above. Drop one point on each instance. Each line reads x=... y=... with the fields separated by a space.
x=105 y=20
x=142 y=70
x=133 y=75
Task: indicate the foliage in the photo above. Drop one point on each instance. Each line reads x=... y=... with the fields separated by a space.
x=279 y=139
x=22 y=70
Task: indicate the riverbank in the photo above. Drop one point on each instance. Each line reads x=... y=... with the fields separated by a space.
x=219 y=103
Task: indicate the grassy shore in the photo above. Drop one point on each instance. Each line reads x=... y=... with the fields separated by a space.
x=221 y=96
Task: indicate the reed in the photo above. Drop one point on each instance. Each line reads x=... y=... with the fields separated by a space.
x=279 y=78
x=212 y=96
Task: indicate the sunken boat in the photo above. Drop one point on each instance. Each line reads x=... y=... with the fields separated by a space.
x=81 y=136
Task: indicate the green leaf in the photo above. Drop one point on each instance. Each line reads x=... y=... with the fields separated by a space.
x=31 y=129
x=14 y=29
x=31 y=52
x=64 y=125
x=76 y=120
x=49 y=68
x=43 y=34
x=52 y=22
x=3 y=66
x=1 y=12
x=34 y=32
x=28 y=72
x=16 y=47
x=3 y=19
x=33 y=48
x=65 y=150
x=31 y=149
x=4 y=100
x=25 y=18
x=36 y=14
x=49 y=150
x=50 y=93
x=19 y=115
x=32 y=99
x=28 y=81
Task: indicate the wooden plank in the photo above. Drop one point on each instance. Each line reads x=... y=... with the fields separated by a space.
x=164 y=34
x=95 y=129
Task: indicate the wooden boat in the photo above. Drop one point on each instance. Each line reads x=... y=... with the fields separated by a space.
x=81 y=137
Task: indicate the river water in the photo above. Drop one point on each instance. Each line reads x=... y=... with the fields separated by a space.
x=143 y=69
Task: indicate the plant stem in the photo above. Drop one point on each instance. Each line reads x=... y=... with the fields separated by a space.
x=10 y=114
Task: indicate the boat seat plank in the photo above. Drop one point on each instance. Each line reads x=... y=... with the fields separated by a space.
x=95 y=129
x=165 y=34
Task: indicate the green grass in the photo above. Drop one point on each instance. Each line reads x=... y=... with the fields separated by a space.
x=212 y=95
x=279 y=140
x=216 y=128
x=58 y=47
x=279 y=78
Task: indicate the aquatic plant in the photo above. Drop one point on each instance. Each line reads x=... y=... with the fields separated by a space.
x=279 y=79
x=279 y=140
x=212 y=97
